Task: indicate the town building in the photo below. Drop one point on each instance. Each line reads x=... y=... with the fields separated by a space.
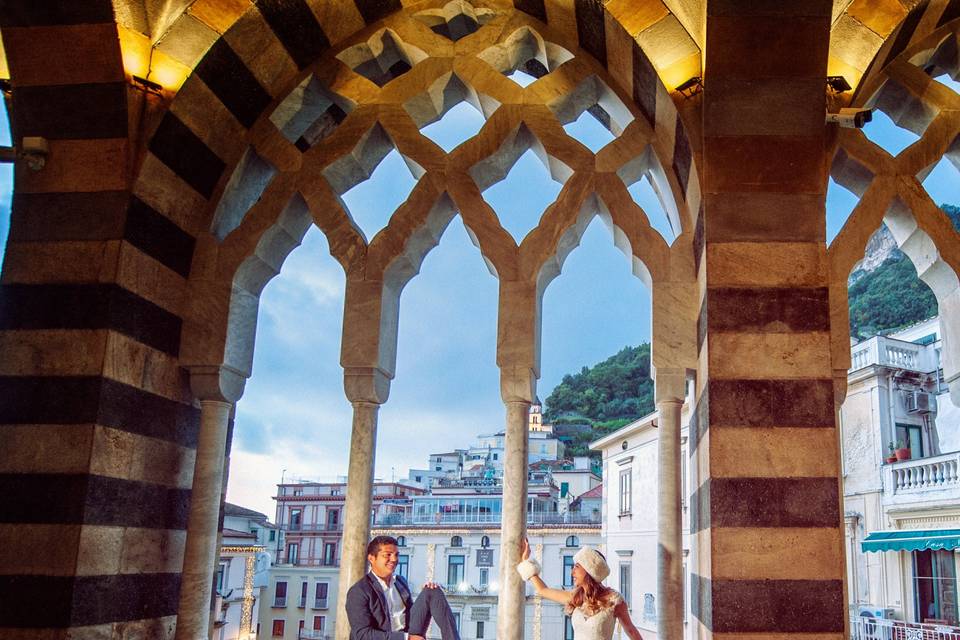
x=631 y=466
x=901 y=480
x=243 y=572
x=300 y=597
x=452 y=536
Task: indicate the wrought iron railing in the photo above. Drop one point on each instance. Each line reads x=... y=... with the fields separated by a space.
x=879 y=629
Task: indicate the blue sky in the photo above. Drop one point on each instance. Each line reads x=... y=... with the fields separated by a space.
x=294 y=419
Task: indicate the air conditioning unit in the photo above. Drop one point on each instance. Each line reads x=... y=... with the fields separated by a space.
x=871 y=611
x=920 y=402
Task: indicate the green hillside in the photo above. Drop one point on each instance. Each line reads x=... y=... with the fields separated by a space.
x=892 y=296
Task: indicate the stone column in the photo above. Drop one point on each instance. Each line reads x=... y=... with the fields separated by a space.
x=513 y=524
x=366 y=390
x=670 y=386
x=200 y=551
x=765 y=515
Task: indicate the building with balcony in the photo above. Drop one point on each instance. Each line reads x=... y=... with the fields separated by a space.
x=452 y=537
x=901 y=458
x=299 y=599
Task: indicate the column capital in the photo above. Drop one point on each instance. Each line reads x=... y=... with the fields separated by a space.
x=366 y=385
x=216 y=382
x=517 y=384
x=670 y=385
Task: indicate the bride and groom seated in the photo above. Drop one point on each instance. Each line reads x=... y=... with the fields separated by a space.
x=380 y=605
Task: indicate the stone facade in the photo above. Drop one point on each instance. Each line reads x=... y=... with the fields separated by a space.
x=138 y=252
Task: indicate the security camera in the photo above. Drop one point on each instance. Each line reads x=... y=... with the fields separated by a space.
x=850 y=117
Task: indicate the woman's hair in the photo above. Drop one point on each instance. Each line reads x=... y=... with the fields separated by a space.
x=590 y=593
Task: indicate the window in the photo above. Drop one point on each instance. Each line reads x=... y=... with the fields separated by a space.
x=455 y=566
x=567 y=571
x=333 y=519
x=625 y=502
x=334 y=492
x=318 y=622
x=419 y=479
x=401 y=541
x=484 y=579
x=625 y=582
x=495 y=457
x=296 y=515
x=403 y=566
x=485 y=541
x=278 y=628
x=456 y=619
x=293 y=553
x=273 y=535
x=567 y=628
x=573 y=541
x=280 y=594
x=438 y=469
x=456 y=541
x=911 y=437
x=330 y=554
x=564 y=489
x=935 y=586
x=304 y=588
x=479 y=629
x=320 y=596
x=298 y=492
x=221 y=576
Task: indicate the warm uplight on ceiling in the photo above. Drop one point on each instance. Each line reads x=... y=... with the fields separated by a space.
x=837 y=67
x=162 y=69
x=4 y=69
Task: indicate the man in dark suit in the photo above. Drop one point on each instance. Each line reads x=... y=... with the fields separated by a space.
x=380 y=607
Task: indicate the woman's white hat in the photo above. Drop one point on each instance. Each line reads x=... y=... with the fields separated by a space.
x=593 y=563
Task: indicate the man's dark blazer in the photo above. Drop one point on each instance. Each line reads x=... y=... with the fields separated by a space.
x=368 y=612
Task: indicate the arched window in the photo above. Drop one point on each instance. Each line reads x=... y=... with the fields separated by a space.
x=456 y=541
x=401 y=541
x=573 y=541
x=485 y=541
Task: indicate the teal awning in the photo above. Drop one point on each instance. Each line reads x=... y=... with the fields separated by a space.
x=914 y=540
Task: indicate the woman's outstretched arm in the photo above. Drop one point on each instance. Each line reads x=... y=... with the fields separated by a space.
x=557 y=595
x=623 y=615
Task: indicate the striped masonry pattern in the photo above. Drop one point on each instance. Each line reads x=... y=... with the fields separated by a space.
x=79 y=426
x=750 y=513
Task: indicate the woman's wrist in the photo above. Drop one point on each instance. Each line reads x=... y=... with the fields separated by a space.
x=528 y=568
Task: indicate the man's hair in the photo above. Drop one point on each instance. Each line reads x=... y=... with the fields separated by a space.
x=380 y=541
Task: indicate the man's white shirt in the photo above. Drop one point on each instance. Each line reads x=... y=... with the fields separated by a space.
x=395 y=604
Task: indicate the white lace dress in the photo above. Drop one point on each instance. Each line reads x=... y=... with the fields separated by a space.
x=595 y=626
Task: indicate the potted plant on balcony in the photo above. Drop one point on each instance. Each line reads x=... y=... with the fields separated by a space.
x=903 y=451
x=892 y=456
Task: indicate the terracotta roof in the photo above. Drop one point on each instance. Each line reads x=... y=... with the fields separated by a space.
x=596 y=492
x=233 y=533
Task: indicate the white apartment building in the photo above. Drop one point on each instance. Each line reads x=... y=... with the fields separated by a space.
x=902 y=513
x=629 y=507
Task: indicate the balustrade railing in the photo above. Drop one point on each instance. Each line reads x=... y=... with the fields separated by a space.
x=880 y=629
x=533 y=519
x=925 y=474
x=890 y=352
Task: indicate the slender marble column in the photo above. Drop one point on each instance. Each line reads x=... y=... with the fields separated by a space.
x=513 y=524
x=356 y=521
x=669 y=524
x=200 y=552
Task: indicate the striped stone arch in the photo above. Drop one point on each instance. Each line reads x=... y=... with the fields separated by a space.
x=108 y=274
x=890 y=187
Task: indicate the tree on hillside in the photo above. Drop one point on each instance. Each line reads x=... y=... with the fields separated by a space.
x=617 y=388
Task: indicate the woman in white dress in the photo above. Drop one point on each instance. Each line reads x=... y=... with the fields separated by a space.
x=593 y=608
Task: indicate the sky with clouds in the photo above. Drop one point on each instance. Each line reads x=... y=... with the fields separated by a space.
x=294 y=420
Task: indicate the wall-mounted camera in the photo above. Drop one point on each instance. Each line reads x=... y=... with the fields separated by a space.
x=850 y=117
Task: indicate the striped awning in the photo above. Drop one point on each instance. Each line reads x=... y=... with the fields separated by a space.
x=912 y=540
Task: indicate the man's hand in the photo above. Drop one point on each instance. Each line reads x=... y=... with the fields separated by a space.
x=429 y=585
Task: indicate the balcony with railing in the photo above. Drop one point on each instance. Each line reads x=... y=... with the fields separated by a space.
x=931 y=478
x=486 y=519
x=310 y=562
x=279 y=602
x=320 y=603
x=890 y=352
x=322 y=527
x=880 y=629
